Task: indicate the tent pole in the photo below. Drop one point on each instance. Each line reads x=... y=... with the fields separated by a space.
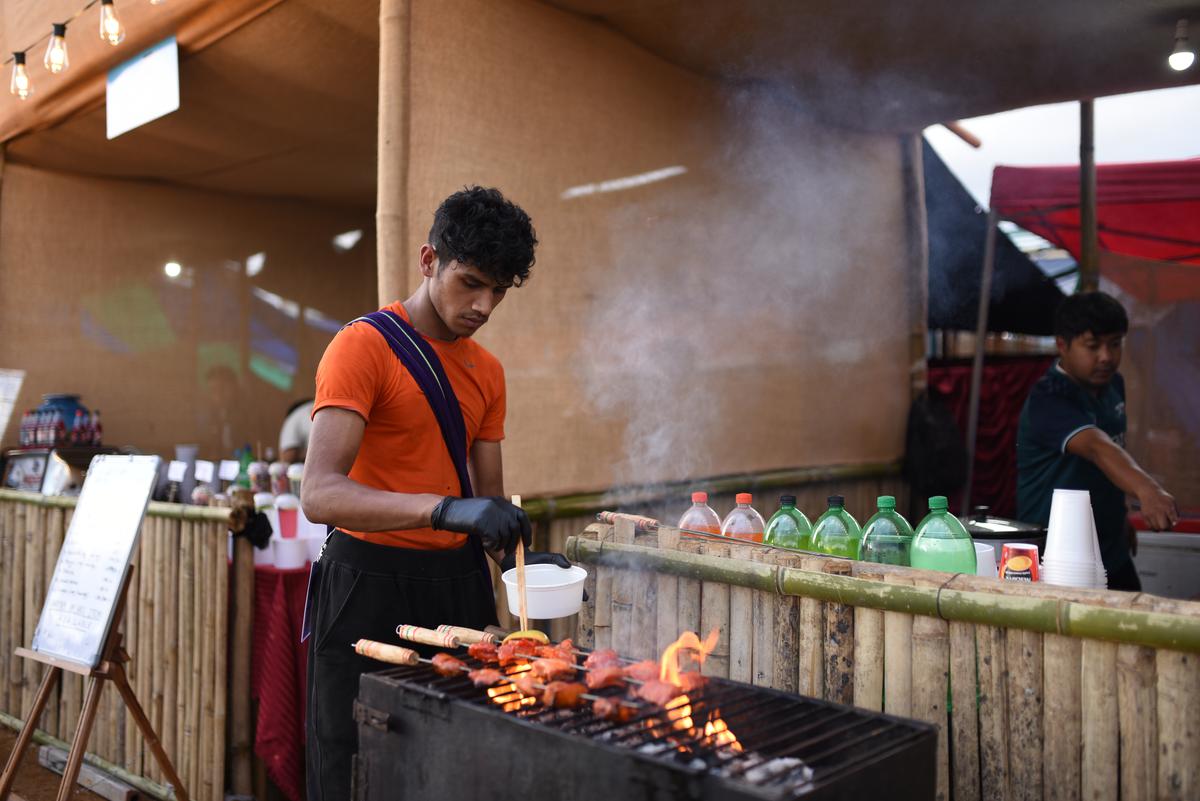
x=985 y=295
x=393 y=266
x=1089 y=268
x=917 y=225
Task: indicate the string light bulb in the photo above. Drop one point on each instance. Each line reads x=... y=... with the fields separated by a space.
x=56 y=59
x=111 y=29
x=1182 y=56
x=157 y=2
x=20 y=85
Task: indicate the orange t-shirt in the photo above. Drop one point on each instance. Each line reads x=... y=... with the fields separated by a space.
x=402 y=447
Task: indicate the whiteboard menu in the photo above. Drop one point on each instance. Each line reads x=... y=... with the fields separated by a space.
x=84 y=591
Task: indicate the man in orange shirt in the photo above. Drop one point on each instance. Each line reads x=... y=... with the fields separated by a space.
x=407 y=424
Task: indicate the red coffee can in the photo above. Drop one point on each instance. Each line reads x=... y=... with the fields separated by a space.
x=1019 y=562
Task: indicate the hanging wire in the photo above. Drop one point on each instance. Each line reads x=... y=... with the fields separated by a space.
x=46 y=37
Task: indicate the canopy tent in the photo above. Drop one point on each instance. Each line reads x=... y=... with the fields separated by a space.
x=1022 y=297
x=1148 y=218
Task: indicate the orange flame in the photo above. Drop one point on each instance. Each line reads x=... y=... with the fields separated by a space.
x=508 y=696
x=719 y=733
x=688 y=641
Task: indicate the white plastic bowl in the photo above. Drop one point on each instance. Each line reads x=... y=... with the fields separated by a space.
x=550 y=591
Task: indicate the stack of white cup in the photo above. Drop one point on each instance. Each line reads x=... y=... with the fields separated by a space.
x=1072 y=556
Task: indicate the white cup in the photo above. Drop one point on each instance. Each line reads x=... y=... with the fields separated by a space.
x=1071 y=535
x=985 y=560
x=290 y=553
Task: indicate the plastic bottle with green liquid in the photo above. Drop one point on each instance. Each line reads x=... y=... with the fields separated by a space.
x=886 y=537
x=788 y=527
x=836 y=532
x=942 y=543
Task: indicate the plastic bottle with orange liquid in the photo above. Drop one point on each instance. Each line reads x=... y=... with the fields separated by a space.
x=744 y=522
x=700 y=516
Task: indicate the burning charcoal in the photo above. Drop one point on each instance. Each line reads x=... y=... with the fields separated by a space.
x=643 y=671
x=605 y=657
x=483 y=651
x=485 y=677
x=514 y=651
x=605 y=677
x=551 y=669
x=775 y=768
x=526 y=684
x=448 y=665
x=562 y=694
x=657 y=692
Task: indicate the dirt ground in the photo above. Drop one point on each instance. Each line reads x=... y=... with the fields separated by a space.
x=35 y=783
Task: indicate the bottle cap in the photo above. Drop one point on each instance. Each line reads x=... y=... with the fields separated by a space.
x=938 y=503
x=836 y=500
x=699 y=497
x=743 y=497
x=787 y=500
x=886 y=502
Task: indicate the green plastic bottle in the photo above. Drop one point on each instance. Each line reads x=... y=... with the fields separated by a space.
x=887 y=537
x=836 y=532
x=941 y=542
x=788 y=527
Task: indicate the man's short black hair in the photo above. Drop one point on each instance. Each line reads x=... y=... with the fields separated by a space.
x=1095 y=312
x=479 y=227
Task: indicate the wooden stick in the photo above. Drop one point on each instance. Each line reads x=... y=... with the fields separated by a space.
x=714 y=614
x=1178 y=725
x=931 y=668
x=195 y=710
x=16 y=611
x=643 y=589
x=203 y=787
x=1138 y=714
x=516 y=501
x=786 y=626
x=1062 y=720
x=812 y=636
x=839 y=643
x=241 y=756
x=741 y=623
x=158 y=675
x=132 y=611
x=54 y=538
x=964 y=744
x=7 y=579
x=585 y=622
x=145 y=644
x=762 y=615
x=216 y=536
x=666 y=624
x=35 y=592
x=690 y=592
x=622 y=592
x=868 y=653
x=175 y=532
x=602 y=617
x=1099 y=720
x=1024 y=659
x=181 y=755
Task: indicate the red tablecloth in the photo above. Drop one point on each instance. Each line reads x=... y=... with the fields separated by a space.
x=277 y=675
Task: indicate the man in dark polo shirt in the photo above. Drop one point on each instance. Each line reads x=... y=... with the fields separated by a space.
x=1072 y=434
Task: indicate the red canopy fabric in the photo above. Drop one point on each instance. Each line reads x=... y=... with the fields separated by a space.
x=1148 y=210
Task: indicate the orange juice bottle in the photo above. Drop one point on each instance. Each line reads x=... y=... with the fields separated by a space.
x=744 y=522
x=700 y=516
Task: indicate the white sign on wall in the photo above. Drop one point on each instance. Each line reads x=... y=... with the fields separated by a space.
x=144 y=88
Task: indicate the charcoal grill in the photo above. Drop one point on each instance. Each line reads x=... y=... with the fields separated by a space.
x=426 y=736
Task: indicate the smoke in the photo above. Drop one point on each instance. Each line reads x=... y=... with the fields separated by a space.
x=733 y=289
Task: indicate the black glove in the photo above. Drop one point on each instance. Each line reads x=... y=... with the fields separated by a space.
x=495 y=521
x=535 y=558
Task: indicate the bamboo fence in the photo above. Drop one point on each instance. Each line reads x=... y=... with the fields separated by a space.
x=176 y=629
x=1037 y=692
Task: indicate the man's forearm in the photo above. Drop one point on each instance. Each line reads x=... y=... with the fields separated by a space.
x=1120 y=468
x=340 y=501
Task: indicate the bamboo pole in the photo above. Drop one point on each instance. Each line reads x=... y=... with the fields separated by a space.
x=35 y=591
x=839 y=644
x=196 y=680
x=643 y=585
x=175 y=532
x=1178 y=725
x=868 y=653
x=964 y=720
x=16 y=613
x=623 y=587
x=714 y=613
x=811 y=665
x=763 y=622
x=54 y=539
x=145 y=651
x=241 y=745
x=585 y=622
x=931 y=669
x=7 y=579
x=1024 y=659
x=1138 y=721
x=216 y=538
x=181 y=756
x=690 y=591
x=602 y=620
x=204 y=781
x=786 y=624
x=666 y=624
x=133 y=666
x=897 y=657
x=741 y=623
x=161 y=556
x=1099 y=722
x=1062 y=719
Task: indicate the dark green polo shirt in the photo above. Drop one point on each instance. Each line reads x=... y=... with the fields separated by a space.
x=1056 y=410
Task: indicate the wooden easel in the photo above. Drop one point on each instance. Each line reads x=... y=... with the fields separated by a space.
x=111 y=668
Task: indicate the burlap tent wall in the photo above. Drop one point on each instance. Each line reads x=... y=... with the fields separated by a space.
x=748 y=313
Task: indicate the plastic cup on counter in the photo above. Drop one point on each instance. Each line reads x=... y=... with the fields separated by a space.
x=295 y=473
x=985 y=560
x=287 y=507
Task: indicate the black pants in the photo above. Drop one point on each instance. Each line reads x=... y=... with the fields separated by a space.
x=1125 y=578
x=363 y=592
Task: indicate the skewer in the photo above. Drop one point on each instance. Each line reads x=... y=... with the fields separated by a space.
x=397 y=655
x=516 y=501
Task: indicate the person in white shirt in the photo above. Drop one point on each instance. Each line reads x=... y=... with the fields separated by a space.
x=293 y=435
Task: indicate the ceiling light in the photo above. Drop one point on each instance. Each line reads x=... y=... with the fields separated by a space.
x=255 y=263
x=111 y=29
x=20 y=85
x=347 y=240
x=56 y=52
x=173 y=269
x=1183 y=56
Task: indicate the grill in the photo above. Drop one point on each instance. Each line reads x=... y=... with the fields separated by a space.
x=427 y=736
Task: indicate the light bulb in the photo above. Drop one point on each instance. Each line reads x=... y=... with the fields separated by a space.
x=111 y=29
x=1183 y=56
x=20 y=85
x=173 y=269
x=157 y=2
x=56 y=59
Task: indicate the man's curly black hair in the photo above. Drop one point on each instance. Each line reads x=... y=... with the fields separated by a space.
x=479 y=227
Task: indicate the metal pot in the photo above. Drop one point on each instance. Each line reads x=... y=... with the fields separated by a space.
x=996 y=531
